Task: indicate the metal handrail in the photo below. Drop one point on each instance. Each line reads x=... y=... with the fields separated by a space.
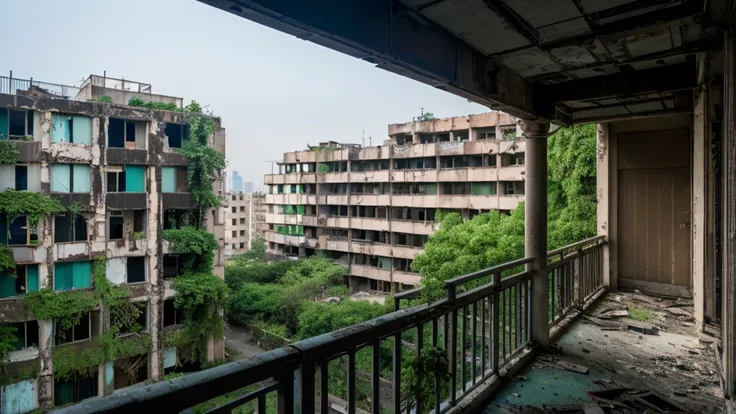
x=576 y=245
x=485 y=272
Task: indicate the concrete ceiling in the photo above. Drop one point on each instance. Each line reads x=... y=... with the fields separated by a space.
x=568 y=60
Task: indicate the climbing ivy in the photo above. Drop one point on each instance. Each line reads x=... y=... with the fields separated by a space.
x=9 y=152
x=194 y=246
x=7 y=261
x=104 y=98
x=323 y=168
x=33 y=205
x=67 y=308
x=7 y=338
x=68 y=360
x=201 y=298
x=204 y=164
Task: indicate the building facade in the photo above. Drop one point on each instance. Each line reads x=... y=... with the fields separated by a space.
x=237 y=183
x=245 y=221
x=373 y=208
x=115 y=168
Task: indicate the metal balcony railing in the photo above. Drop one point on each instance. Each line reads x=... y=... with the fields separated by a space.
x=483 y=325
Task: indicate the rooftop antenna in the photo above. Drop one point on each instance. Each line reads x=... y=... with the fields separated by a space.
x=421 y=115
x=370 y=141
x=363 y=138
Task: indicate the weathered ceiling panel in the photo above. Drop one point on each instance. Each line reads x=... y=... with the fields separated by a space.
x=475 y=23
x=645 y=107
x=530 y=62
x=672 y=60
x=573 y=56
x=593 y=6
x=591 y=72
x=539 y=13
x=563 y=30
x=636 y=12
x=599 y=113
x=655 y=42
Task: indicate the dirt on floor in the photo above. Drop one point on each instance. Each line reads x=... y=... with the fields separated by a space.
x=630 y=353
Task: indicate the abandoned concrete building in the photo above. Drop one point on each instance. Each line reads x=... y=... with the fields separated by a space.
x=115 y=169
x=373 y=208
x=659 y=79
x=245 y=221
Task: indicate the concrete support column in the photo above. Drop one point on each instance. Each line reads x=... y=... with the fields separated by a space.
x=729 y=220
x=452 y=136
x=606 y=198
x=535 y=218
x=700 y=188
x=415 y=139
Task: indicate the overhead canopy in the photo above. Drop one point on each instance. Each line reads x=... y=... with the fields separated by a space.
x=567 y=60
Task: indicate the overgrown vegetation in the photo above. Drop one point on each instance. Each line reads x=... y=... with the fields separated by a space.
x=204 y=163
x=426 y=116
x=200 y=294
x=164 y=106
x=9 y=152
x=490 y=239
x=7 y=261
x=30 y=204
x=257 y=252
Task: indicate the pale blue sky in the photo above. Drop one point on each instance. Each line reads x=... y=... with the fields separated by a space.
x=275 y=92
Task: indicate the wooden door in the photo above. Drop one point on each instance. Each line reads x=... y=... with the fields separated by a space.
x=654 y=201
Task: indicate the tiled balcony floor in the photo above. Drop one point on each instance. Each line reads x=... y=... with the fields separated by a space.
x=674 y=365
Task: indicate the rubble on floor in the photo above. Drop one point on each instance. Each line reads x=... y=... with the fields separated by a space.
x=629 y=353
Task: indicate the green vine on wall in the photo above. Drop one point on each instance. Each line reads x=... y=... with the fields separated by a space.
x=7 y=261
x=66 y=308
x=68 y=360
x=33 y=205
x=204 y=163
x=200 y=294
x=9 y=152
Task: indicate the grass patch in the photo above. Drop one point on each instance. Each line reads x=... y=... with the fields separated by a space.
x=640 y=314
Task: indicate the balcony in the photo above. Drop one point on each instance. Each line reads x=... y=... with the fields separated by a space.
x=493 y=347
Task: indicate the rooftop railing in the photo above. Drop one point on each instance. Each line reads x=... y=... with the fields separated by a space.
x=11 y=86
x=483 y=326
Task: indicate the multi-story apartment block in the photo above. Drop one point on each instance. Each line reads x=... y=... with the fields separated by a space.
x=245 y=221
x=373 y=208
x=116 y=170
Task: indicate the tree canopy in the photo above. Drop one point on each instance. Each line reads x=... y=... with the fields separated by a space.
x=460 y=247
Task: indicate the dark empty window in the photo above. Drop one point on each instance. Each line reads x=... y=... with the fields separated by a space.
x=172 y=266
x=242 y=245
x=235 y=209
x=116 y=133
x=176 y=134
x=18 y=231
x=26 y=334
x=136 y=269
x=140 y=323
x=115 y=225
x=130 y=132
x=75 y=388
x=116 y=181
x=78 y=332
x=21 y=177
x=172 y=316
x=17 y=123
x=70 y=227
x=139 y=221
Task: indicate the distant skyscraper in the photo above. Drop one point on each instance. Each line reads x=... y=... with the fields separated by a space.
x=249 y=187
x=237 y=184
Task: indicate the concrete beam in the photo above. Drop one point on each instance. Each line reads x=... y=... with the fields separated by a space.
x=666 y=79
x=392 y=36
